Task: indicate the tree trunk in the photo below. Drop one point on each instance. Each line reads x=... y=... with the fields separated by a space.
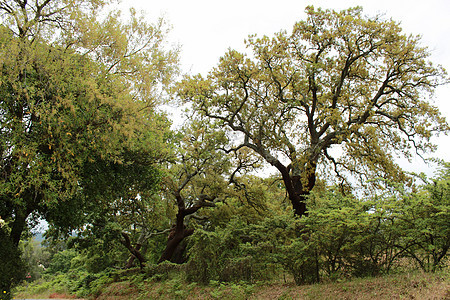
x=175 y=238
x=172 y=244
x=130 y=261
x=179 y=231
x=298 y=180
x=21 y=215
x=134 y=251
x=298 y=204
x=17 y=227
x=299 y=187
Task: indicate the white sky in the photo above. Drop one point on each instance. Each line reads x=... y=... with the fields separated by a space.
x=205 y=29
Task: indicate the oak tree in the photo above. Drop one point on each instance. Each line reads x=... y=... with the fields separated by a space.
x=340 y=80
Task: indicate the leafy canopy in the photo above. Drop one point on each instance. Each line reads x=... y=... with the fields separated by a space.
x=339 y=78
x=79 y=91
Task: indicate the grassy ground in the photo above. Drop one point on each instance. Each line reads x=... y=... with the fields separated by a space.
x=402 y=286
x=44 y=295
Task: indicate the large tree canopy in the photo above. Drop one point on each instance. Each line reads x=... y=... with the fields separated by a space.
x=339 y=78
x=77 y=93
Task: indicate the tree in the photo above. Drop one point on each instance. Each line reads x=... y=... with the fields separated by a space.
x=195 y=179
x=126 y=210
x=76 y=92
x=339 y=80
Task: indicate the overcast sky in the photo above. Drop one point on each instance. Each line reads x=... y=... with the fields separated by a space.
x=206 y=29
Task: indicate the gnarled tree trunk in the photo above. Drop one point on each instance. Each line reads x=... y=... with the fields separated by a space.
x=135 y=251
x=179 y=232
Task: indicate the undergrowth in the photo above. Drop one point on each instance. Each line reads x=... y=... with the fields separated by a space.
x=173 y=285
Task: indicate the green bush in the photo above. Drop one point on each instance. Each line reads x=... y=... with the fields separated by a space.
x=238 y=251
x=61 y=262
x=163 y=271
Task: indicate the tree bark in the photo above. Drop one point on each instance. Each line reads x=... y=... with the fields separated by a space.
x=134 y=251
x=18 y=226
x=177 y=235
x=296 y=188
x=179 y=231
x=130 y=261
x=298 y=183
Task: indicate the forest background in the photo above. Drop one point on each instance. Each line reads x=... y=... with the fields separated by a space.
x=87 y=147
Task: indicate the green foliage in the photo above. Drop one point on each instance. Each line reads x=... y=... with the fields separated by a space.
x=342 y=237
x=61 y=262
x=238 y=251
x=423 y=220
x=163 y=271
x=78 y=283
x=79 y=127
